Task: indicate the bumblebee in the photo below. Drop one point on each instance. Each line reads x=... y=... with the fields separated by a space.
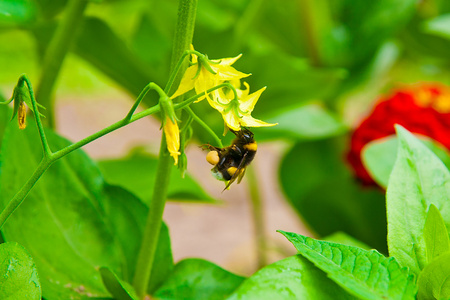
x=230 y=162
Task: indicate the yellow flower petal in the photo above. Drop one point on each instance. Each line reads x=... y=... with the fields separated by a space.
x=232 y=120
x=227 y=61
x=248 y=103
x=243 y=93
x=187 y=82
x=226 y=73
x=204 y=82
x=249 y=121
x=172 y=133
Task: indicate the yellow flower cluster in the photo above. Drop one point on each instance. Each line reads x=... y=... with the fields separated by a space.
x=234 y=105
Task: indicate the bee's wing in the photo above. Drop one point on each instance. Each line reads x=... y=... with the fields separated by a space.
x=241 y=175
x=238 y=171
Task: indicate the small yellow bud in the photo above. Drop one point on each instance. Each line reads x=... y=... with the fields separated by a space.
x=22 y=115
x=172 y=133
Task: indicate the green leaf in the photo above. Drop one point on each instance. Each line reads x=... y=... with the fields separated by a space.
x=50 y=8
x=321 y=189
x=18 y=275
x=364 y=274
x=292 y=82
x=136 y=173
x=435 y=234
x=439 y=26
x=434 y=280
x=363 y=26
x=343 y=238
x=418 y=180
x=119 y=289
x=70 y=222
x=291 y=278
x=312 y=121
x=379 y=157
x=127 y=215
x=17 y=12
x=101 y=47
x=198 y=279
x=152 y=40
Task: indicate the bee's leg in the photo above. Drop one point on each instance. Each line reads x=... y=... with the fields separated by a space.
x=209 y=147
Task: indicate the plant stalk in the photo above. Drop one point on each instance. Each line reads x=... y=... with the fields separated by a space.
x=184 y=34
x=56 y=52
x=258 y=218
x=309 y=24
x=183 y=39
x=153 y=223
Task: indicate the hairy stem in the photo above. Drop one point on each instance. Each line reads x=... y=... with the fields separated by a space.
x=184 y=33
x=153 y=223
x=183 y=39
x=56 y=52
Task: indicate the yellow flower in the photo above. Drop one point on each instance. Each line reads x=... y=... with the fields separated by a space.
x=201 y=79
x=237 y=113
x=172 y=133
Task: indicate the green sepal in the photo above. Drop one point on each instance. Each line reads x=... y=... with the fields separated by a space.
x=21 y=94
x=203 y=61
x=167 y=110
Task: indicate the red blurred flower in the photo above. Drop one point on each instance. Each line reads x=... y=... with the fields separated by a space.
x=422 y=109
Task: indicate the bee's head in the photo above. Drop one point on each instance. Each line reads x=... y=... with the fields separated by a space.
x=244 y=135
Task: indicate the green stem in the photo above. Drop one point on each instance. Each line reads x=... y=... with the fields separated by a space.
x=205 y=126
x=184 y=33
x=183 y=39
x=18 y=198
x=56 y=52
x=148 y=87
x=258 y=218
x=37 y=117
x=309 y=26
x=153 y=224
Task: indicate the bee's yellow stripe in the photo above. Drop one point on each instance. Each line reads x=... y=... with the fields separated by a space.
x=251 y=146
x=231 y=170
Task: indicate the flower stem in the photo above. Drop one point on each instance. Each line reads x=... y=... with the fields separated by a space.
x=258 y=218
x=37 y=117
x=205 y=126
x=59 y=46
